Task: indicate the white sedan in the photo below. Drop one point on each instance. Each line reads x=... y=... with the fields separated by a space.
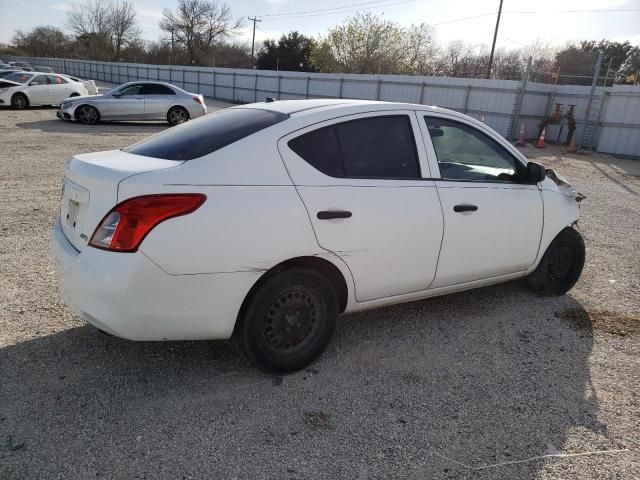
x=37 y=88
x=269 y=220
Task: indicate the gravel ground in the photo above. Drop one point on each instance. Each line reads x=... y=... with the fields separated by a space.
x=492 y=383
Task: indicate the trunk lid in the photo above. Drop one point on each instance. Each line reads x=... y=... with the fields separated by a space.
x=90 y=189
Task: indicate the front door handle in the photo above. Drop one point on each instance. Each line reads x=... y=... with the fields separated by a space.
x=465 y=208
x=330 y=214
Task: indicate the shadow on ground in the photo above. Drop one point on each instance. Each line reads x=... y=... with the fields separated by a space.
x=482 y=377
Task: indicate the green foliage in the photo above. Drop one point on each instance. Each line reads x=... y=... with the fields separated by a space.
x=292 y=52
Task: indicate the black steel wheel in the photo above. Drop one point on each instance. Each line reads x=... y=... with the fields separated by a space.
x=19 y=101
x=88 y=115
x=289 y=320
x=561 y=265
x=177 y=115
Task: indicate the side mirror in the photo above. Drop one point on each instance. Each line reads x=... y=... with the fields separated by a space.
x=535 y=173
x=116 y=95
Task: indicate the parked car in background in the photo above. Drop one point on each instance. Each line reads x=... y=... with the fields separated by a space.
x=45 y=69
x=37 y=88
x=24 y=66
x=270 y=219
x=90 y=85
x=136 y=101
x=8 y=71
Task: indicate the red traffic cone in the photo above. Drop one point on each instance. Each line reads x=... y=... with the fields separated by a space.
x=540 y=142
x=520 y=142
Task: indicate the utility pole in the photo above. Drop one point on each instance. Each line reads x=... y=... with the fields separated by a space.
x=495 y=37
x=253 y=40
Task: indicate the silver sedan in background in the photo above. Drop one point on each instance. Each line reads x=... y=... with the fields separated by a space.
x=135 y=101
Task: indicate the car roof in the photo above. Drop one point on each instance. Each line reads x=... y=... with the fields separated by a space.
x=302 y=107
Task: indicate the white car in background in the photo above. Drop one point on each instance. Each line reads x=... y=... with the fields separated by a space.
x=37 y=88
x=269 y=220
x=90 y=85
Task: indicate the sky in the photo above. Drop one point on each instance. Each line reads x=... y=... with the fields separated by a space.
x=549 y=22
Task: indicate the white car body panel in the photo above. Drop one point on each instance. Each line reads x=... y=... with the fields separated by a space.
x=191 y=274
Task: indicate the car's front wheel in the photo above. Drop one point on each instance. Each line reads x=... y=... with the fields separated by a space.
x=289 y=321
x=177 y=115
x=88 y=115
x=561 y=265
x=19 y=101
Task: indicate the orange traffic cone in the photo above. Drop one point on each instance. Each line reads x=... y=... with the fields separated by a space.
x=572 y=148
x=520 y=142
x=540 y=142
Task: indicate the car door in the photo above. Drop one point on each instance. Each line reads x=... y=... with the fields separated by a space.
x=39 y=90
x=361 y=182
x=127 y=103
x=60 y=89
x=157 y=100
x=492 y=220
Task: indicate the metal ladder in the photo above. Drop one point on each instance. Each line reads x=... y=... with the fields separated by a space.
x=592 y=120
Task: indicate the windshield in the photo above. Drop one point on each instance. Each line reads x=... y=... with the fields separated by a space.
x=19 y=77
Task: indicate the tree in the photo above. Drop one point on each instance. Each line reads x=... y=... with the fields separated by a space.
x=104 y=27
x=292 y=52
x=198 y=24
x=366 y=43
x=44 y=41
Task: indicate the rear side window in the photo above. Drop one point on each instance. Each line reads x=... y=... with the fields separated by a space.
x=207 y=134
x=376 y=147
x=40 y=80
x=156 y=89
x=56 y=80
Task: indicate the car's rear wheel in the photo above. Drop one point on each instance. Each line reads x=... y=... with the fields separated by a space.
x=289 y=321
x=561 y=265
x=177 y=115
x=19 y=101
x=88 y=115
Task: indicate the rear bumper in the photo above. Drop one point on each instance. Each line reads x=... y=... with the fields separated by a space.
x=127 y=295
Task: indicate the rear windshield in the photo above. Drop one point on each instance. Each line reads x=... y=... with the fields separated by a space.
x=200 y=137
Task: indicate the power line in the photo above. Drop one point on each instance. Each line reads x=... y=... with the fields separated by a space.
x=294 y=16
x=322 y=10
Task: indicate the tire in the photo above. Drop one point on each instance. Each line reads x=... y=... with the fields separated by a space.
x=87 y=115
x=561 y=265
x=289 y=321
x=19 y=101
x=177 y=115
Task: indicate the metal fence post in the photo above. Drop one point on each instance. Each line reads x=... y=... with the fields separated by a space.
x=306 y=88
x=255 y=88
x=466 y=99
x=214 y=84
x=594 y=83
x=523 y=90
x=378 y=89
x=422 y=93
x=198 y=80
x=233 y=88
x=278 y=92
x=340 y=89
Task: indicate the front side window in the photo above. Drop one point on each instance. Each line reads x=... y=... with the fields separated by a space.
x=131 y=90
x=39 y=80
x=375 y=147
x=19 y=77
x=465 y=153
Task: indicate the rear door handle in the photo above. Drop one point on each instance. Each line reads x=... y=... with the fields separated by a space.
x=465 y=208
x=330 y=214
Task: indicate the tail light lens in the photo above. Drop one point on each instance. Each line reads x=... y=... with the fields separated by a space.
x=198 y=100
x=128 y=223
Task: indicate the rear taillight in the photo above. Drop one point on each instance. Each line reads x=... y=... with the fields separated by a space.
x=199 y=100
x=126 y=225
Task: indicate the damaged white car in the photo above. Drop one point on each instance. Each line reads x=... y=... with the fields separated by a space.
x=269 y=220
